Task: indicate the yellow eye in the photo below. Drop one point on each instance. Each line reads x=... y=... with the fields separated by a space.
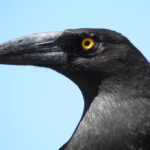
x=87 y=43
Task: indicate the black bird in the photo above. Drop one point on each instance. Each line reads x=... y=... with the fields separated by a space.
x=112 y=74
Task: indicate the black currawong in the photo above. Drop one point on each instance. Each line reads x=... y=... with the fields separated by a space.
x=112 y=74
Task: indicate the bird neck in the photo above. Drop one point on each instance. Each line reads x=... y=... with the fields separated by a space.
x=102 y=110
x=89 y=86
x=92 y=85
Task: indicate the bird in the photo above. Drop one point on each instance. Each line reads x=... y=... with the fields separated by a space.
x=112 y=74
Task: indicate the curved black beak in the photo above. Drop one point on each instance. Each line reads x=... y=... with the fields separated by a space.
x=36 y=49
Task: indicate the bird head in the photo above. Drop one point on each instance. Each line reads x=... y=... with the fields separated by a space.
x=86 y=56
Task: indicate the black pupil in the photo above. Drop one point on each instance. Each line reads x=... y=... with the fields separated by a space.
x=87 y=43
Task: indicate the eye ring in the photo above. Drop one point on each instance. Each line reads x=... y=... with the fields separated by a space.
x=87 y=43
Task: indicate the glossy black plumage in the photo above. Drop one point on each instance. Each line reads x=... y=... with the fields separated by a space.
x=114 y=78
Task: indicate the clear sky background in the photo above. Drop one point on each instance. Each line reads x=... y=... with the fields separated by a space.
x=39 y=108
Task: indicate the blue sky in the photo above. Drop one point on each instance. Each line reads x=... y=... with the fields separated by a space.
x=39 y=108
